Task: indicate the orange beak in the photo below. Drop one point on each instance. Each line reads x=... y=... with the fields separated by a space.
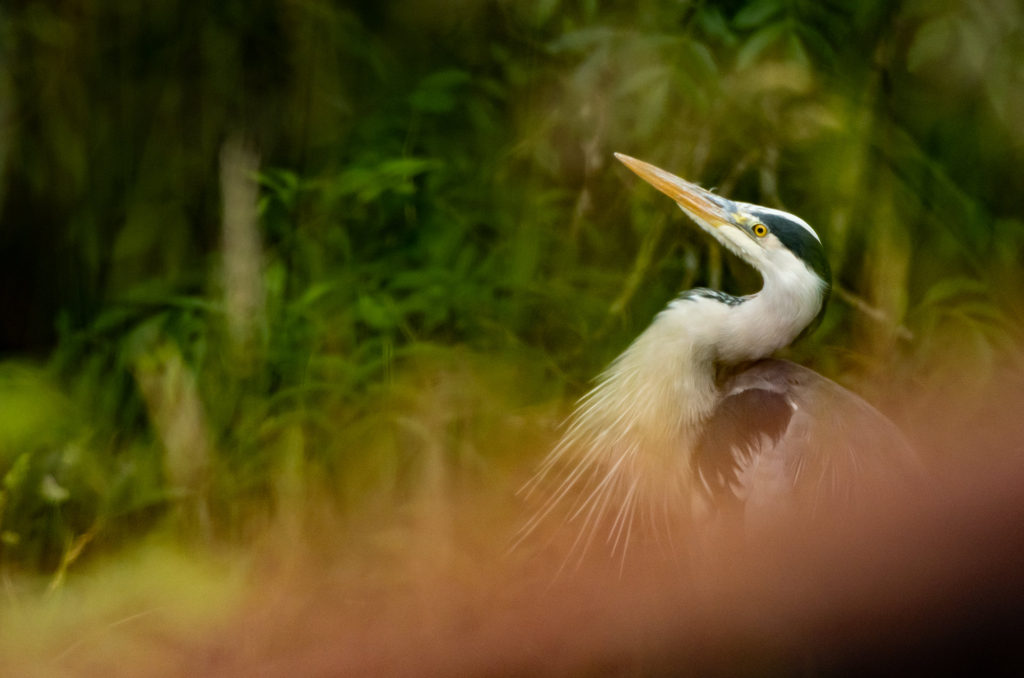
x=701 y=204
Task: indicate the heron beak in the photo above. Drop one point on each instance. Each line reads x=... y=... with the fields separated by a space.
x=701 y=204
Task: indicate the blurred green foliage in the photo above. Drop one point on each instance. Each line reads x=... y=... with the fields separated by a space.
x=436 y=185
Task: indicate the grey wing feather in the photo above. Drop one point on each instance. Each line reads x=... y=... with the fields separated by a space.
x=784 y=434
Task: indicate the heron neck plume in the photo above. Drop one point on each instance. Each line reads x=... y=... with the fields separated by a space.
x=632 y=435
x=657 y=392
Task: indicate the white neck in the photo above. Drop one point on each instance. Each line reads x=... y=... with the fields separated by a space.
x=656 y=393
x=770 y=319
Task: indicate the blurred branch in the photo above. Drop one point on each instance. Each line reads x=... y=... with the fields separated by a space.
x=873 y=313
x=178 y=415
x=641 y=265
x=243 y=258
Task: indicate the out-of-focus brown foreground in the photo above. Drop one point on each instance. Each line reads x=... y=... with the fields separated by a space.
x=932 y=579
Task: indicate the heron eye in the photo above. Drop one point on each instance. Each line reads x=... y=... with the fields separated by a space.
x=760 y=230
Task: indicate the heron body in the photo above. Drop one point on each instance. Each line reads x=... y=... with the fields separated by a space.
x=694 y=410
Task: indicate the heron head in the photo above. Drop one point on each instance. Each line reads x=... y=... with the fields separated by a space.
x=782 y=247
x=778 y=244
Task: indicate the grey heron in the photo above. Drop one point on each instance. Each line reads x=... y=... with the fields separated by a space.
x=694 y=413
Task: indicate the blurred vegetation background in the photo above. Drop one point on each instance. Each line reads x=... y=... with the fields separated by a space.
x=252 y=252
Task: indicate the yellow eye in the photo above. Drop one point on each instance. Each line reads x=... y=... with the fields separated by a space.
x=760 y=230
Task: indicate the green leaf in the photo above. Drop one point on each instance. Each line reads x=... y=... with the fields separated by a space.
x=368 y=183
x=701 y=61
x=797 y=51
x=544 y=10
x=16 y=475
x=758 y=43
x=711 y=21
x=757 y=13
x=378 y=312
x=931 y=43
x=436 y=92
